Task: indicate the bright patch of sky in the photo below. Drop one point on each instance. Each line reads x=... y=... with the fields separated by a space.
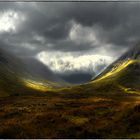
x=9 y=21
x=61 y=62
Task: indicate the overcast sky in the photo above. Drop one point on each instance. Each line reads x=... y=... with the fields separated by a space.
x=70 y=36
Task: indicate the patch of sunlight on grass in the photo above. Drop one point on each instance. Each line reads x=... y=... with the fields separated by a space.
x=118 y=68
x=77 y=120
x=35 y=85
x=128 y=90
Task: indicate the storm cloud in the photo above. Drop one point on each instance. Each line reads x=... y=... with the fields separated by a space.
x=106 y=29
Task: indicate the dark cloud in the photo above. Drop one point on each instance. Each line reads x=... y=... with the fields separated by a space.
x=68 y=46
x=106 y=28
x=57 y=31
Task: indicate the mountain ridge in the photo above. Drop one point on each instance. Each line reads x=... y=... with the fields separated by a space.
x=133 y=53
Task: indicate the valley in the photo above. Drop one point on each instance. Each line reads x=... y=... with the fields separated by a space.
x=106 y=107
x=69 y=69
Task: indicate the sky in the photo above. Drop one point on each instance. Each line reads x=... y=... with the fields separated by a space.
x=70 y=37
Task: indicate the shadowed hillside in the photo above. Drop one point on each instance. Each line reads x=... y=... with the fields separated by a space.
x=18 y=76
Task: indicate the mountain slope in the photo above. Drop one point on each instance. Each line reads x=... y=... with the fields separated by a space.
x=133 y=53
x=10 y=71
x=18 y=76
x=39 y=72
x=123 y=73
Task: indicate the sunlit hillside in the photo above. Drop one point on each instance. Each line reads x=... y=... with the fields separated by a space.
x=125 y=75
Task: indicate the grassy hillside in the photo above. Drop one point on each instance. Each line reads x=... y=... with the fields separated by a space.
x=124 y=76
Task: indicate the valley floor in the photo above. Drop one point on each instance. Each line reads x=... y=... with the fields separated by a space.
x=60 y=117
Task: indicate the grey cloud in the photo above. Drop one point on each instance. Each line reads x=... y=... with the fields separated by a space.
x=57 y=31
x=69 y=46
x=110 y=16
x=117 y=23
